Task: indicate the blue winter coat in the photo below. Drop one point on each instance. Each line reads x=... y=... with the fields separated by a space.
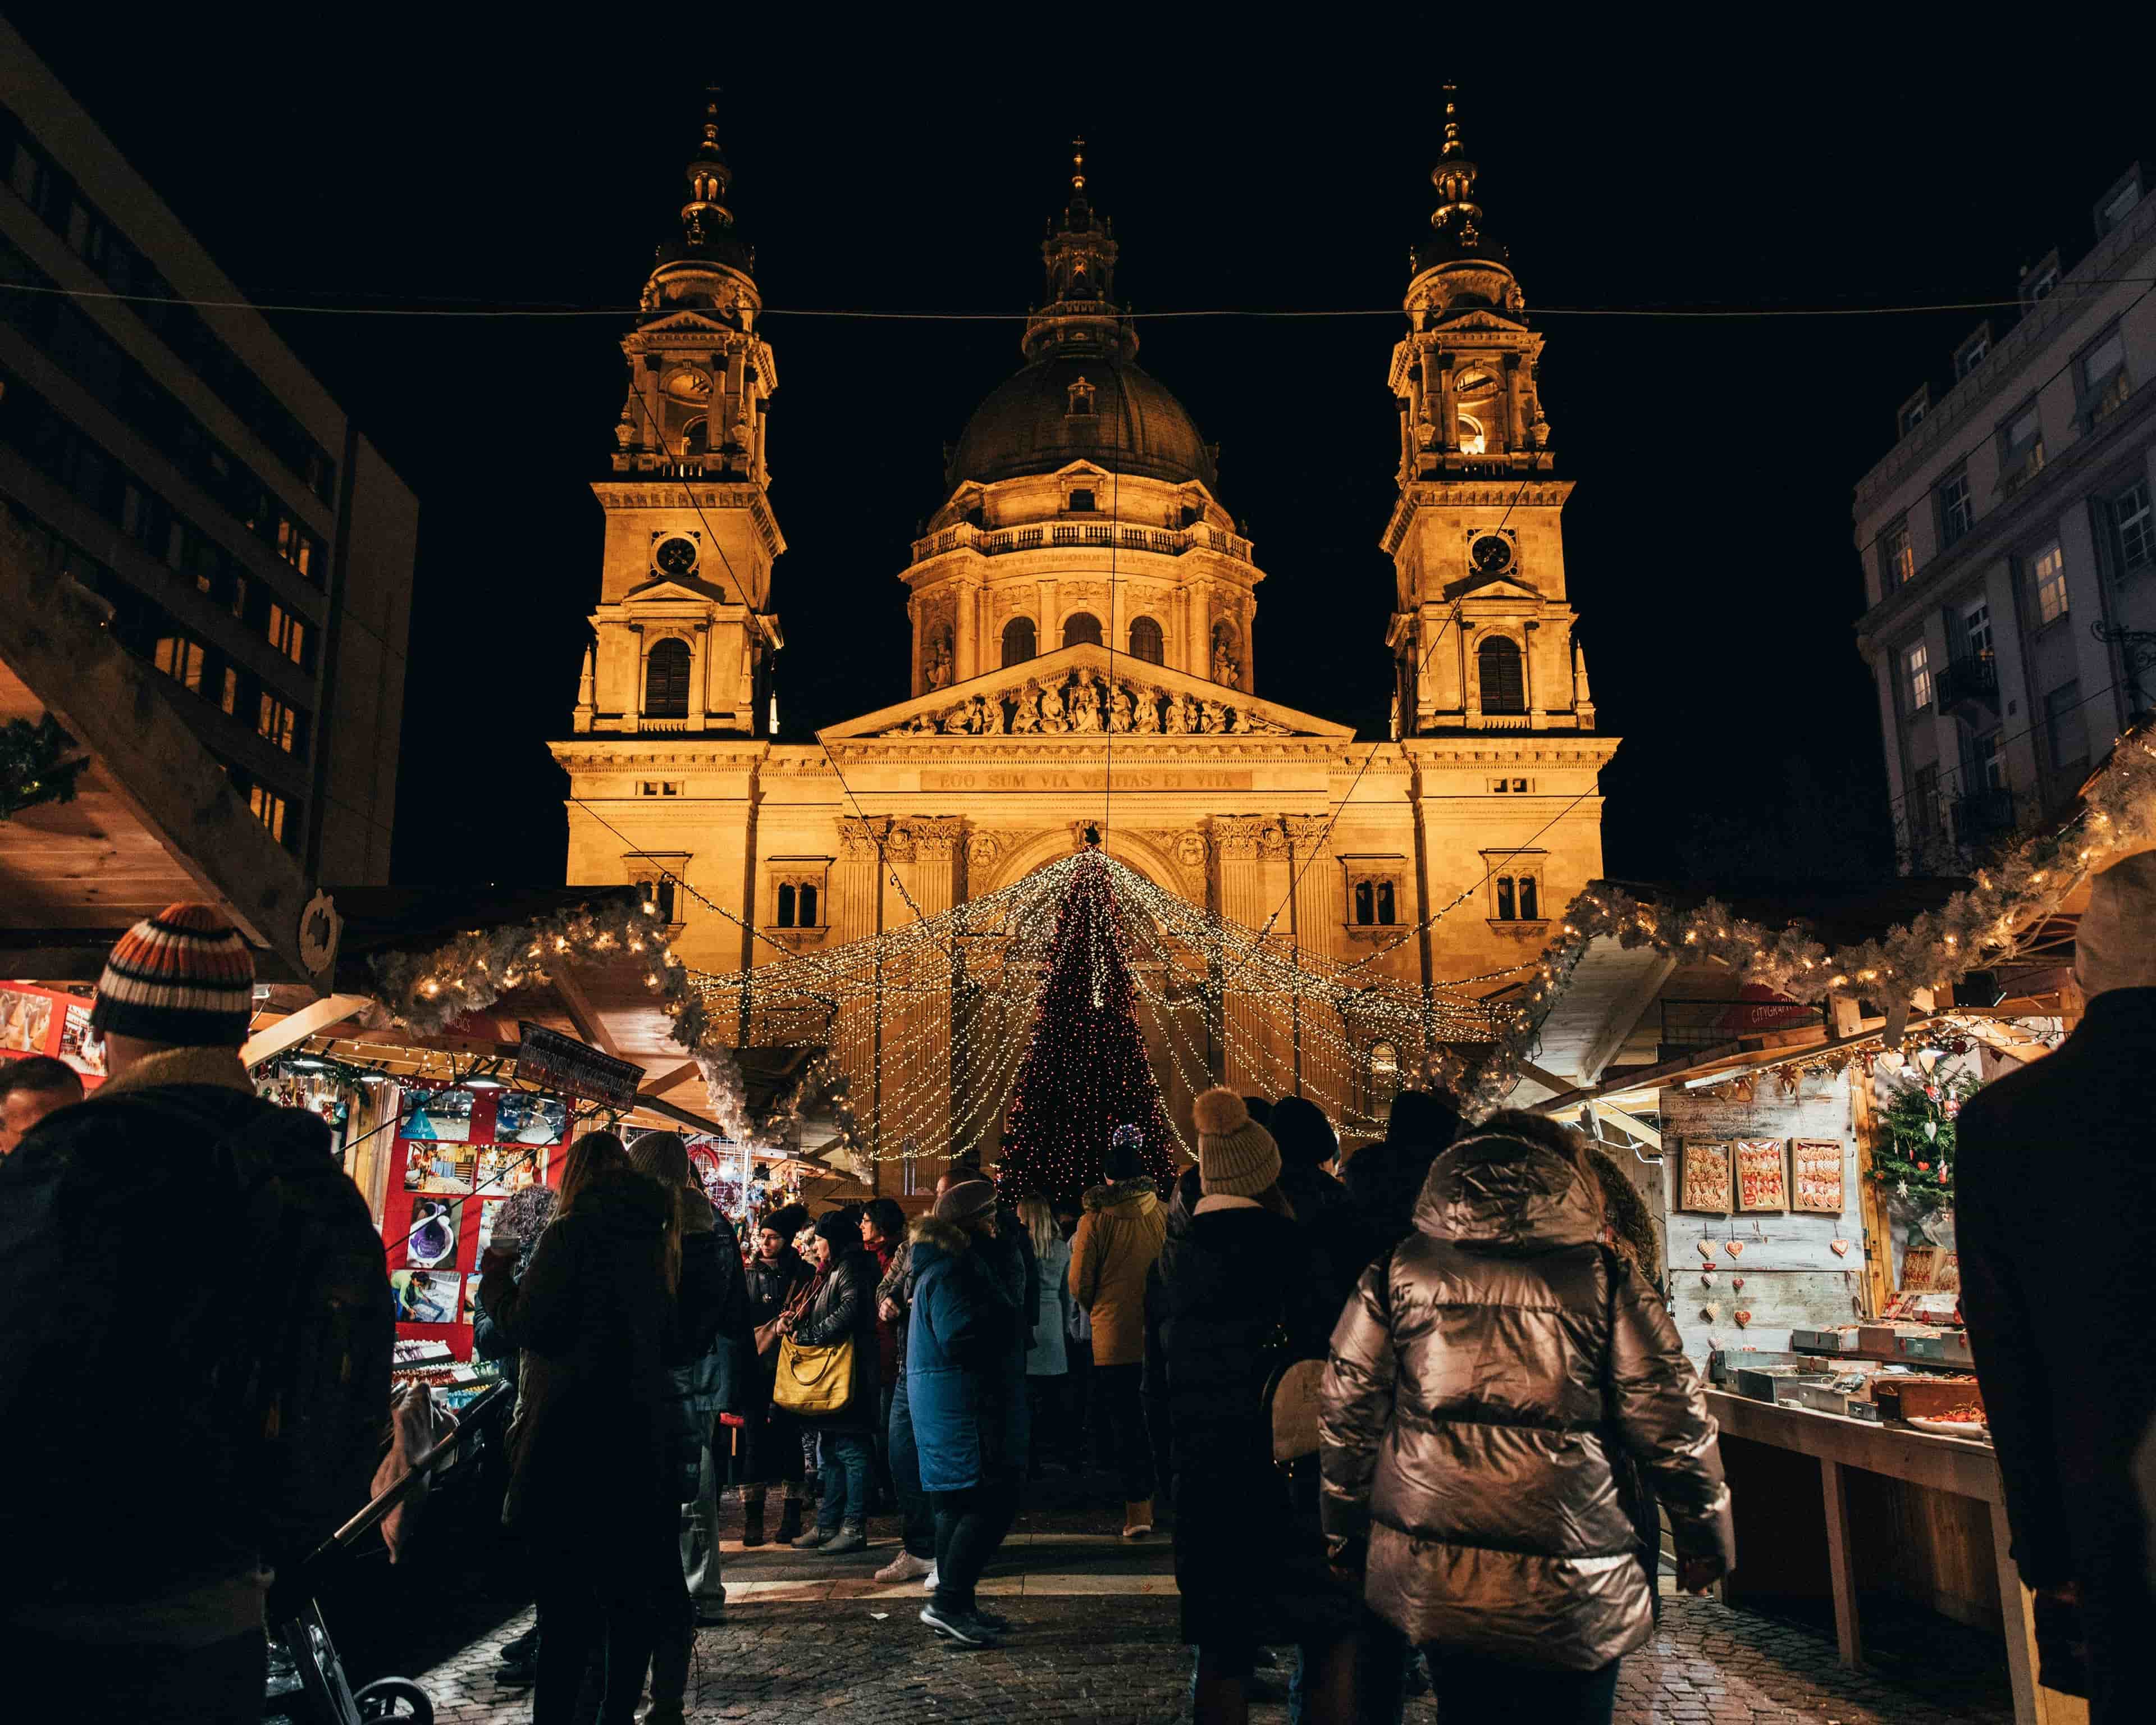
x=965 y=1363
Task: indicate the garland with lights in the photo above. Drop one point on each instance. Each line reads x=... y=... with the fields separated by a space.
x=1913 y=1159
x=1085 y=1072
x=1974 y=930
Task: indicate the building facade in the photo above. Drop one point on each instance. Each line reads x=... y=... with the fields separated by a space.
x=1084 y=623
x=161 y=445
x=2008 y=546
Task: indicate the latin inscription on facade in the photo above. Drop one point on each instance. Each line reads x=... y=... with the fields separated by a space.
x=1136 y=778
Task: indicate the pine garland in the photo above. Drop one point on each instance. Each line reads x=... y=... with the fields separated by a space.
x=33 y=766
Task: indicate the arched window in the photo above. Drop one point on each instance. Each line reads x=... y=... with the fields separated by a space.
x=666 y=681
x=1472 y=442
x=1385 y=917
x=1081 y=628
x=1384 y=1077
x=696 y=437
x=1366 y=904
x=808 y=904
x=1504 y=681
x=786 y=904
x=1147 y=642
x=1019 y=641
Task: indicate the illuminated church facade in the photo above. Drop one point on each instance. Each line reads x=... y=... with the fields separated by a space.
x=1083 y=614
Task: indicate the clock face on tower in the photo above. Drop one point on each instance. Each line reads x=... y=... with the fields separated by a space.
x=1492 y=554
x=676 y=556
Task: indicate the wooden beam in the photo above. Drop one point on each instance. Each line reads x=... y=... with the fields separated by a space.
x=53 y=638
x=296 y=1028
x=659 y=1086
x=1630 y=1123
x=589 y=1025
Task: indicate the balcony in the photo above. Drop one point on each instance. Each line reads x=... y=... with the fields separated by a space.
x=998 y=541
x=1968 y=684
x=1983 y=815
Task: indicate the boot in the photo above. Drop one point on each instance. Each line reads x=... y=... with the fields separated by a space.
x=752 y=1520
x=1137 y=1519
x=789 y=1522
x=851 y=1536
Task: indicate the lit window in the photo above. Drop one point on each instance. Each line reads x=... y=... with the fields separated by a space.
x=295 y=545
x=1976 y=628
x=228 y=696
x=1472 y=441
x=269 y=808
x=181 y=659
x=2134 y=525
x=1957 y=508
x=1898 y=556
x=1916 y=676
x=287 y=634
x=278 y=722
x=2047 y=578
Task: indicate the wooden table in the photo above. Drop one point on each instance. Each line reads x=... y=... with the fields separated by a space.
x=1944 y=1464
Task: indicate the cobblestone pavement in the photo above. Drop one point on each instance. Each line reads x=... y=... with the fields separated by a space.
x=810 y=1638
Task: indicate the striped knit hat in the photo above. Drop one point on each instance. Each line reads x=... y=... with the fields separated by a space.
x=183 y=977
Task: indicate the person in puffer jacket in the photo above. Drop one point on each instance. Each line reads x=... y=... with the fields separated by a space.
x=1479 y=1384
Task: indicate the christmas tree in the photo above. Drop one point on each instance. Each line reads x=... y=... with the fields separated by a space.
x=1084 y=1072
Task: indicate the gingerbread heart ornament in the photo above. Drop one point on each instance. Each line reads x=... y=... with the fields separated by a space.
x=1742 y=1317
x=1839 y=1248
x=1735 y=1248
x=1705 y=1250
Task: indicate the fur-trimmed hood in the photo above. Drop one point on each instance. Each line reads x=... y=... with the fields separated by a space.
x=1115 y=1192
x=947 y=1237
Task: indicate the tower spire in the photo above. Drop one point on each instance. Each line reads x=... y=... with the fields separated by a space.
x=1080 y=256
x=705 y=215
x=1456 y=222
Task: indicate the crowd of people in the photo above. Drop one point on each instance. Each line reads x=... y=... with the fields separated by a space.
x=1501 y=1421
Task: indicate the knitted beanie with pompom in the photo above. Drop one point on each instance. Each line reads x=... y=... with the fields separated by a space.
x=1236 y=1157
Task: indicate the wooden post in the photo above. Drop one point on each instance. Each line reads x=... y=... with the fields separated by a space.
x=1842 y=1566
x=1870 y=1203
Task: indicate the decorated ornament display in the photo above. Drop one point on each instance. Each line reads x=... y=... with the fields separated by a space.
x=1913 y=1160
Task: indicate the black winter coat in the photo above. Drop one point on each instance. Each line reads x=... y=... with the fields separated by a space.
x=1341 y=1242
x=1249 y=1562
x=132 y=1369
x=2068 y=1398
x=844 y=1305
x=591 y=1446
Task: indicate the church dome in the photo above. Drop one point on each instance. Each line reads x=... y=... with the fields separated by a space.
x=1082 y=406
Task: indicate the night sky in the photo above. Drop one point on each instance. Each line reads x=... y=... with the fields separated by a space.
x=1708 y=542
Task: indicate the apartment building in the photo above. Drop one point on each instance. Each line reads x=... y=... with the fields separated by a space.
x=2009 y=545
x=160 y=445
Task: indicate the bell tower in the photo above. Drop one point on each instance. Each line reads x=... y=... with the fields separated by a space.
x=1481 y=634
x=683 y=634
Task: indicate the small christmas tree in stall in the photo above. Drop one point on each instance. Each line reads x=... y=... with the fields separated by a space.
x=1085 y=1072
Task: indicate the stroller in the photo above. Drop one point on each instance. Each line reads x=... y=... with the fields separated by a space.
x=329 y=1699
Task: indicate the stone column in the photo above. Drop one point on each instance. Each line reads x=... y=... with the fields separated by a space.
x=966 y=648
x=700 y=675
x=1448 y=416
x=1515 y=430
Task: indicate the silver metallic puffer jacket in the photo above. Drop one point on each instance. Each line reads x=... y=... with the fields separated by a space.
x=1477 y=1378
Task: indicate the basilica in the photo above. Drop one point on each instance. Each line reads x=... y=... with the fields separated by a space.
x=1084 y=652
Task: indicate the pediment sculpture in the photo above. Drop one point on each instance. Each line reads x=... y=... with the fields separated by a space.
x=1082 y=702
